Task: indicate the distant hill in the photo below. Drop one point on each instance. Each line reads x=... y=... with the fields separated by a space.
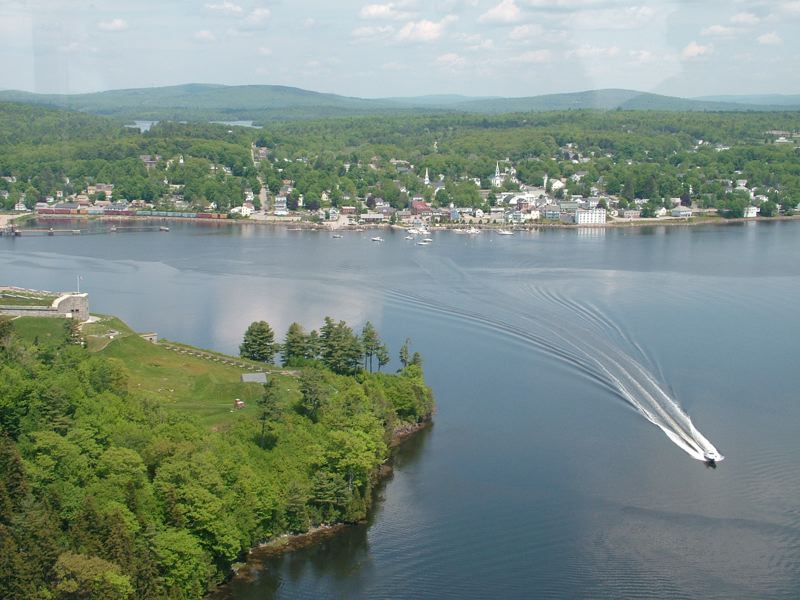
x=792 y=100
x=261 y=103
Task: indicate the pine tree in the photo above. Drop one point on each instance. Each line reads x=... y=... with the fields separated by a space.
x=259 y=342
x=295 y=345
x=370 y=343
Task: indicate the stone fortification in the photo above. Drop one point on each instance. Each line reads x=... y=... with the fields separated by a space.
x=69 y=305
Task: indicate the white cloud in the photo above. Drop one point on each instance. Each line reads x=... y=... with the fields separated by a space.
x=640 y=57
x=450 y=60
x=695 y=50
x=205 y=36
x=424 y=31
x=565 y=4
x=790 y=7
x=745 y=18
x=265 y=51
x=309 y=23
x=227 y=8
x=505 y=12
x=630 y=17
x=394 y=66
x=364 y=33
x=719 y=31
x=534 y=56
x=522 y=32
x=769 y=39
x=390 y=11
x=257 y=17
x=113 y=25
x=590 y=52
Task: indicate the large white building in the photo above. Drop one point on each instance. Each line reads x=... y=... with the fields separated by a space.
x=593 y=216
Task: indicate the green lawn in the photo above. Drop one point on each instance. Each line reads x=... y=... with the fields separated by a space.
x=14 y=300
x=201 y=386
x=43 y=329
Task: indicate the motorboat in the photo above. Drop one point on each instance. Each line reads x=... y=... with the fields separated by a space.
x=712 y=457
x=409 y=237
x=337 y=236
x=377 y=239
x=504 y=232
x=423 y=243
x=473 y=231
x=429 y=240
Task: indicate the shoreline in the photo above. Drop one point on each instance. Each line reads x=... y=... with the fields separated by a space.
x=330 y=228
x=288 y=542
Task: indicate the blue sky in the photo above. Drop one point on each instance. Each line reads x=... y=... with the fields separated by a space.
x=405 y=47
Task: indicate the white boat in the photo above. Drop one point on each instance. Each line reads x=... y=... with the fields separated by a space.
x=337 y=236
x=423 y=243
x=423 y=231
x=409 y=237
x=459 y=230
x=377 y=239
x=413 y=230
x=504 y=232
x=712 y=457
x=473 y=231
x=429 y=240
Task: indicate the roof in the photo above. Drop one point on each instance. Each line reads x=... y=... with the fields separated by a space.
x=254 y=378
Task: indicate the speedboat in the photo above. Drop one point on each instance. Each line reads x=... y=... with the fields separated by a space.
x=429 y=240
x=504 y=232
x=423 y=243
x=712 y=457
x=337 y=236
x=377 y=239
x=409 y=237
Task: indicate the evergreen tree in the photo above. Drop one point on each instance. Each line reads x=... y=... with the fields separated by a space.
x=269 y=409
x=295 y=345
x=404 y=353
x=259 y=342
x=370 y=343
x=312 y=387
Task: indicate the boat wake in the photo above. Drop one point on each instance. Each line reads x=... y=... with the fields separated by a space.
x=591 y=343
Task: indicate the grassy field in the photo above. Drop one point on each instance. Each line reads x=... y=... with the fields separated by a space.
x=200 y=385
x=200 y=382
x=42 y=329
x=13 y=300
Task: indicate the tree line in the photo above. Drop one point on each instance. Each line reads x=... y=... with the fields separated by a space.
x=335 y=346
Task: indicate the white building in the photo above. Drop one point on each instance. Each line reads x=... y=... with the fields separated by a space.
x=245 y=211
x=683 y=212
x=751 y=212
x=593 y=216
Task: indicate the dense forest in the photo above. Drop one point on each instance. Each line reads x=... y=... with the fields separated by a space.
x=109 y=492
x=631 y=154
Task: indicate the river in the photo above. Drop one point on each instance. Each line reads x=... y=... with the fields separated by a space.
x=563 y=363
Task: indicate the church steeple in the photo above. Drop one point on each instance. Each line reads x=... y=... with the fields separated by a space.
x=427 y=180
x=497 y=170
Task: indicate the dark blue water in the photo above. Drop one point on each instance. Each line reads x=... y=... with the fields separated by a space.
x=541 y=477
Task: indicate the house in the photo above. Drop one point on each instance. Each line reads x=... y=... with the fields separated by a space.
x=149 y=161
x=372 y=217
x=682 y=212
x=751 y=212
x=280 y=206
x=420 y=207
x=592 y=216
x=244 y=211
x=630 y=213
x=552 y=212
x=348 y=210
x=20 y=207
x=333 y=214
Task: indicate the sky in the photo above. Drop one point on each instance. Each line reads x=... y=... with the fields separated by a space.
x=406 y=47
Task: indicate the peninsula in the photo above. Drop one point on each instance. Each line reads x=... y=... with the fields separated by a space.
x=134 y=467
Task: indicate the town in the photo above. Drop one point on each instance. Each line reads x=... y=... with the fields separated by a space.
x=633 y=176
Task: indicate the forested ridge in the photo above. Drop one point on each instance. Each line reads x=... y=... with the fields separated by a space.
x=108 y=492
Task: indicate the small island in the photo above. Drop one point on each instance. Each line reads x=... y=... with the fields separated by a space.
x=136 y=468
